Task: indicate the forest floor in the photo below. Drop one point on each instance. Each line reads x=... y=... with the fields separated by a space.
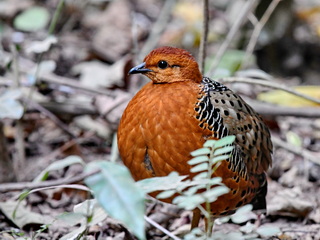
x=73 y=106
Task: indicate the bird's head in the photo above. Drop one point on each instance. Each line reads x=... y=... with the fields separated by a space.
x=169 y=64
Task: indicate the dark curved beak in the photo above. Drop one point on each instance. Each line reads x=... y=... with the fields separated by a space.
x=139 y=69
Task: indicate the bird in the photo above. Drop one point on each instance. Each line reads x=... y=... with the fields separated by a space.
x=176 y=113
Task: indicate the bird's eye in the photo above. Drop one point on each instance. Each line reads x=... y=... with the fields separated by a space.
x=163 y=64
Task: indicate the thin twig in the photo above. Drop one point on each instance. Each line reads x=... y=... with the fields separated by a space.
x=6 y=187
x=257 y=29
x=72 y=186
x=234 y=29
x=162 y=229
x=19 y=135
x=50 y=115
x=205 y=29
x=157 y=29
x=296 y=150
x=276 y=110
x=52 y=78
x=55 y=17
x=268 y=84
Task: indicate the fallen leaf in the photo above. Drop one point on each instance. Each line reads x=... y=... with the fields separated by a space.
x=23 y=215
x=286 y=99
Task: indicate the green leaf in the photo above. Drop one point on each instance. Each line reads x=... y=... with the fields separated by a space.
x=209 y=143
x=118 y=194
x=223 y=150
x=57 y=165
x=32 y=19
x=198 y=160
x=229 y=63
x=228 y=140
x=202 y=175
x=212 y=194
x=199 y=168
x=172 y=181
x=192 y=190
x=219 y=158
x=201 y=151
x=268 y=231
x=293 y=139
x=215 y=181
x=188 y=202
x=166 y=194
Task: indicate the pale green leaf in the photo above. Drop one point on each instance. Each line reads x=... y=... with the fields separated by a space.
x=192 y=190
x=32 y=19
x=268 y=231
x=198 y=160
x=172 y=181
x=57 y=165
x=293 y=139
x=215 y=181
x=184 y=185
x=223 y=150
x=228 y=140
x=219 y=158
x=199 y=168
x=189 y=202
x=118 y=194
x=166 y=194
x=201 y=175
x=201 y=151
x=209 y=143
x=230 y=62
x=212 y=194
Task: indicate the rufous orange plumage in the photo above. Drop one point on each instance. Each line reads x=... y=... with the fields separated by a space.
x=177 y=112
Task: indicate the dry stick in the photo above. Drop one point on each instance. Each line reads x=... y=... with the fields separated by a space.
x=296 y=150
x=157 y=29
x=204 y=39
x=268 y=84
x=52 y=78
x=257 y=29
x=50 y=115
x=235 y=27
x=6 y=187
x=19 y=136
x=162 y=229
x=275 y=110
